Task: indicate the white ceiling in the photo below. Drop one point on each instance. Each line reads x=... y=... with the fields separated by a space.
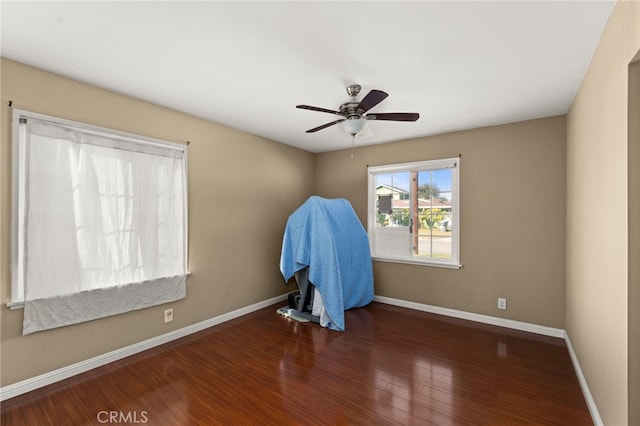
x=461 y=65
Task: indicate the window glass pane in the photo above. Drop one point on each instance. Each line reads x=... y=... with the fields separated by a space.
x=392 y=199
x=434 y=239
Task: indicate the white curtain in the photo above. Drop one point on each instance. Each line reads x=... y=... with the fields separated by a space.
x=104 y=225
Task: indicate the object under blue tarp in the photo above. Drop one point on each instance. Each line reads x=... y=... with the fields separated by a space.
x=326 y=236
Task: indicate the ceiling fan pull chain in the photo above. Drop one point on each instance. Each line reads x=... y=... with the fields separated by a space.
x=353 y=144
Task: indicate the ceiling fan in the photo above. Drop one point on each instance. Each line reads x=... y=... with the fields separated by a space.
x=354 y=120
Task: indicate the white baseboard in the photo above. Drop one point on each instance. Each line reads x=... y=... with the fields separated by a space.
x=502 y=322
x=593 y=409
x=45 y=379
x=486 y=319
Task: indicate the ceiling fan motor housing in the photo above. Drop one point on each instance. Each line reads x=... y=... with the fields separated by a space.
x=351 y=111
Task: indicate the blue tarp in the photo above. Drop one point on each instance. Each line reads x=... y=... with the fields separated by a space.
x=327 y=236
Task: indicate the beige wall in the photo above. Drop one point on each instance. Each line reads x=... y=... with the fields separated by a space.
x=512 y=218
x=241 y=190
x=597 y=215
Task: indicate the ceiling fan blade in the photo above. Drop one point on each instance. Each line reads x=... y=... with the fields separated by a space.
x=372 y=99
x=394 y=116
x=324 y=126
x=312 y=108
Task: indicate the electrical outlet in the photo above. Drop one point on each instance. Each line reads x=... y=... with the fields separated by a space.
x=502 y=303
x=168 y=315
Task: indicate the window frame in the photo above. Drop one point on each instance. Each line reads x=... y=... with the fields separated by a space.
x=18 y=161
x=417 y=166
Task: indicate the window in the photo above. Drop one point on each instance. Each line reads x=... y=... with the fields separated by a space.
x=413 y=212
x=99 y=221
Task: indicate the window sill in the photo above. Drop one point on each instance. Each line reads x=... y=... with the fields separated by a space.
x=417 y=262
x=15 y=305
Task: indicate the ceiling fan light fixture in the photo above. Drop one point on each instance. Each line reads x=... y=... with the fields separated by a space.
x=354 y=126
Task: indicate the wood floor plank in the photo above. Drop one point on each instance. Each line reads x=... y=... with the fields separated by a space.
x=391 y=366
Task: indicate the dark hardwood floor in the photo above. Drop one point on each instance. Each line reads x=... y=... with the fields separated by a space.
x=391 y=366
